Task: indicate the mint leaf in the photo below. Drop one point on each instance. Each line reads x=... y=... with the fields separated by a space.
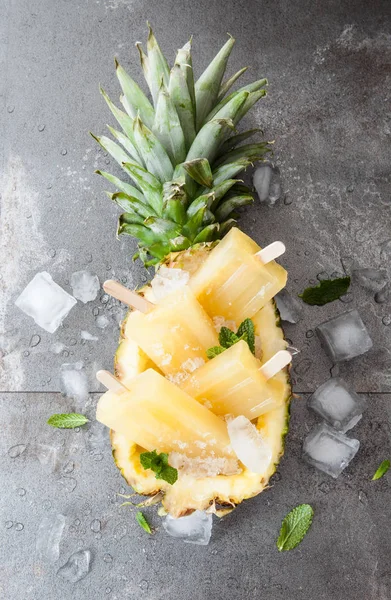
x=328 y=290
x=382 y=469
x=214 y=351
x=142 y=521
x=294 y=527
x=227 y=338
x=246 y=328
x=67 y=420
x=158 y=463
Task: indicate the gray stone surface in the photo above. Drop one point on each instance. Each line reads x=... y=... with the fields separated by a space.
x=329 y=110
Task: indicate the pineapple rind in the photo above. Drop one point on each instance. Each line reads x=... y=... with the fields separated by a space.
x=189 y=493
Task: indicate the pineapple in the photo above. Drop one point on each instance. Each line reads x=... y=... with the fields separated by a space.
x=183 y=154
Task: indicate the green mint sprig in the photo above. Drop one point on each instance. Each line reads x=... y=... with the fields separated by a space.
x=228 y=338
x=382 y=469
x=294 y=527
x=67 y=420
x=158 y=463
x=142 y=521
x=328 y=290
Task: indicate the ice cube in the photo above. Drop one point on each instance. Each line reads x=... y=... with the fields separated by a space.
x=47 y=455
x=102 y=321
x=249 y=446
x=193 y=529
x=267 y=182
x=74 y=383
x=45 y=301
x=86 y=335
x=371 y=279
x=49 y=536
x=339 y=405
x=289 y=307
x=77 y=566
x=344 y=337
x=329 y=450
x=85 y=285
x=168 y=280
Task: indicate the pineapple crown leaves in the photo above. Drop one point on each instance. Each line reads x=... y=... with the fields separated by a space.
x=181 y=150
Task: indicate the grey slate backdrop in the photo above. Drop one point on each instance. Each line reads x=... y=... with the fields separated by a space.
x=328 y=108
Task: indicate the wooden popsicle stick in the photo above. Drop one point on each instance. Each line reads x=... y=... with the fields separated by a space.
x=120 y=292
x=271 y=252
x=109 y=381
x=277 y=362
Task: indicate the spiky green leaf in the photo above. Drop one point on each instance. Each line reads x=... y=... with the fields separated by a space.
x=235 y=140
x=193 y=225
x=207 y=234
x=152 y=152
x=185 y=62
x=248 y=152
x=136 y=100
x=199 y=170
x=124 y=187
x=127 y=144
x=142 y=233
x=229 y=170
x=159 y=70
x=149 y=185
x=208 y=139
x=181 y=97
x=167 y=127
x=251 y=87
x=123 y=119
x=129 y=218
x=227 y=206
x=226 y=85
x=132 y=204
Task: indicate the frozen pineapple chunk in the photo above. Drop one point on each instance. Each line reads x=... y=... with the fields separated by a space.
x=232 y=383
x=233 y=282
x=175 y=333
x=157 y=415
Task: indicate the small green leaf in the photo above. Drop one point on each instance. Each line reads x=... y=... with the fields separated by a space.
x=382 y=469
x=247 y=328
x=328 y=290
x=214 y=351
x=142 y=521
x=158 y=463
x=67 y=420
x=199 y=170
x=294 y=527
x=227 y=338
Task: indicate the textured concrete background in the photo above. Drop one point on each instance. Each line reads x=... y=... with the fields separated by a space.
x=329 y=66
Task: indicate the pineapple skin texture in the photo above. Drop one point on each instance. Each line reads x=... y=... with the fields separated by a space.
x=189 y=493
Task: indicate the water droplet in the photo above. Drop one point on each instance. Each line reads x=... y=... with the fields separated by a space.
x=95 y=311
x=108 y=590
x=21 y=491
x=104 y=299
x=8 y=524
x=322 y=276
x=107 y=558
x=65 y=353
x=143 y=278
x=64 y=151
x=287 y=200
x=108 y=267
x=52 y=253
x=19 y=526
x=107 y=161
x=11 y=108
x=97 y=457
x=362 y=497
x=77 y=429
x=386 y=320
x=350 y=188
x=124 y=279
x=72 y=342
x=383 y=296
x=309 y=334
x=144 y=585
x=98 y=536
x=95 y=525
x=41 y=127
x=35 y=340
x=324 y=487
x=16 y=451
x=68 y=467
x=68 y=484
x=77 y=566
x=88 y=257
x=303 y=366
x=120 y=531
x=47 y=505
x=26 y=353
x=306 y=253
x=77 y=522
x=346 y=298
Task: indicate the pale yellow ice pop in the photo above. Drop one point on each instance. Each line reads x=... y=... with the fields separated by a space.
x=238 y=278
x=157 y=415
x=234 y=383
x=175 y=333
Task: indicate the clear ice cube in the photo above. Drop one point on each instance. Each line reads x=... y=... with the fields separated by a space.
x=248 y=444
x=267 y=182
x=49 y=536
x=337 y=404
x=85 y=285
x=329 y=450
x=47 y=455
x=77 y=566
x=45 y=301
x=344 y=337
x=74 y=383
x=289 y=307
x=193 y=529
x=167 y=281
x=371 y=279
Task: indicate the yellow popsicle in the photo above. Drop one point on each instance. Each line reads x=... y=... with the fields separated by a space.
x=175 y=333
x=156 y=414
x=233 y=282
x=232 y=383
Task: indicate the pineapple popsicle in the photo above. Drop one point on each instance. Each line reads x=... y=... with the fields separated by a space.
x=234 y=382
x=175 y=333
x=233 y=282
x=156 y=414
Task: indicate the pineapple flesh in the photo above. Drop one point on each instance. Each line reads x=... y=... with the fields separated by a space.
x=181 y=154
